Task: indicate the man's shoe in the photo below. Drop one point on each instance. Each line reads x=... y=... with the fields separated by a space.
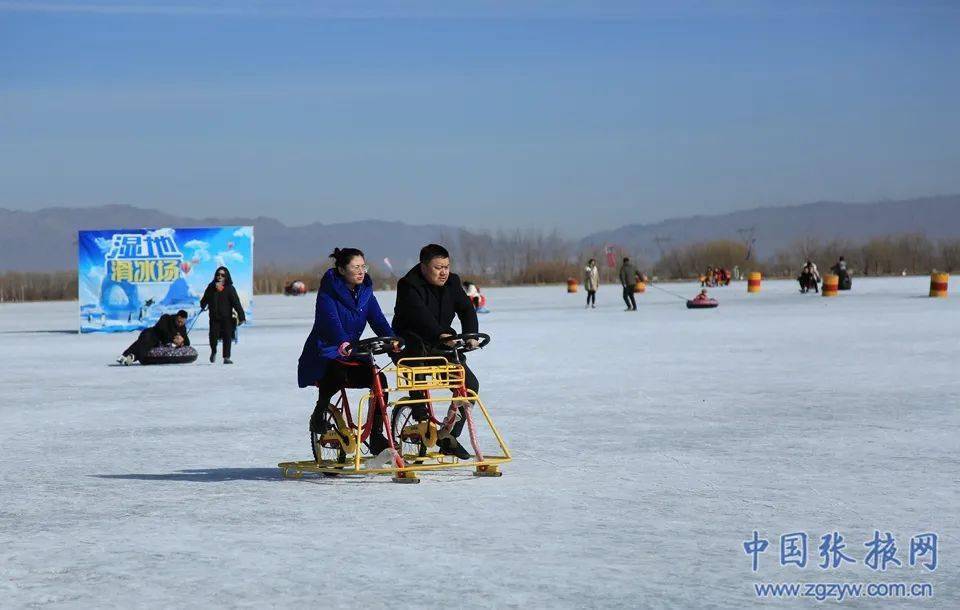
x=378 y=444
x=449 y=445
x=227 y=361
x=213 y=356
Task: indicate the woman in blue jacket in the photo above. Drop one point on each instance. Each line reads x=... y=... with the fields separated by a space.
x=345 y=304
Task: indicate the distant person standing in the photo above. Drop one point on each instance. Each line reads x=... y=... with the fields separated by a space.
x=629 y=276
x=840 y=270
x=809 y=277
x=591 y=281
x=222 y=300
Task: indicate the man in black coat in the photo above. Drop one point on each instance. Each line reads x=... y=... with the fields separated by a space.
x=222 y=300
x=169 y=329
x=428 y=299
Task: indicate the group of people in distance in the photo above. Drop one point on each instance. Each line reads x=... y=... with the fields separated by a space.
x=220 y=298
x=715 y=276
x=428 y=299
x=810 y=279
x=628 y=274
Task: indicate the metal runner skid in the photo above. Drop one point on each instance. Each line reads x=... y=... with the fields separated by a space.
x=431 y=373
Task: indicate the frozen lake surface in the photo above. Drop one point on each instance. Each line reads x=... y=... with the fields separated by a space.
x=648 y=447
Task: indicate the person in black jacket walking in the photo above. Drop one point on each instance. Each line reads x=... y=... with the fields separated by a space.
x=629 y=276
x=222 y=300
x=169 y=329
x=428 y=298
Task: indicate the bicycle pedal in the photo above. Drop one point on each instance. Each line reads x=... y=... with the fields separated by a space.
x=425 y=432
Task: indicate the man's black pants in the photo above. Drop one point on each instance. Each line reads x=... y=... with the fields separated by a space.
x=628 y=297
x=144 y=343
x=420 y=411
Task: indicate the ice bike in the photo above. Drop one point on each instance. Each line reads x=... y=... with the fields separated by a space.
x=414 y=421
x=341 y=442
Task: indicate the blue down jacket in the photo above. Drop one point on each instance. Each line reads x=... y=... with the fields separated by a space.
x=341 y=315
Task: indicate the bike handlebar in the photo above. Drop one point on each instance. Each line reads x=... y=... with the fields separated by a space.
x=374 y=346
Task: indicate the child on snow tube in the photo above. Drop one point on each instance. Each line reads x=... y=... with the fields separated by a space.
x=702 y=301
x=479 y=301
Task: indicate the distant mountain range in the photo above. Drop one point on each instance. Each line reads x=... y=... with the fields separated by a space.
x=46 y=240
x=775 y=228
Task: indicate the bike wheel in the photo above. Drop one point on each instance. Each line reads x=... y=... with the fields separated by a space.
x=413 y=433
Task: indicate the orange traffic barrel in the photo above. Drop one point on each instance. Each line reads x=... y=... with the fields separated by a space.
x=640 y=286
x=753 y=281
x=572 y=285
x=938 y=284
x=831 y=284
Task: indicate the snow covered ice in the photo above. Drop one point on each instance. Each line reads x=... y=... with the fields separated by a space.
x=648 y=447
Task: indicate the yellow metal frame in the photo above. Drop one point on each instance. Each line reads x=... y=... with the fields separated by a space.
x=430 y=373
x=411 y=374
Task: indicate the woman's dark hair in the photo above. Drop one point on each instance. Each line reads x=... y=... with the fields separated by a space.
x=342 y=256
x=432 y=251
x=227 y=279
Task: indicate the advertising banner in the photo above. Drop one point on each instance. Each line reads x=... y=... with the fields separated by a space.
x=128 y=278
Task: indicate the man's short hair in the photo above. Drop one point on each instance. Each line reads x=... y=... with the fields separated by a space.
x=182 y=314
x=432 y=251
x=626 y=259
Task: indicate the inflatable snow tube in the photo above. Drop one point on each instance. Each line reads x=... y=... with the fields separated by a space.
x=295 y=289
x=481 y=304
x=170 y=355
x=703 y=304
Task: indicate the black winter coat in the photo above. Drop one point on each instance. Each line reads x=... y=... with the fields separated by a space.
x=423 y=312
x=166 y=328
x=222 y=303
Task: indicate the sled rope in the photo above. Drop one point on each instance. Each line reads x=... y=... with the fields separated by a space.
x=667 y=291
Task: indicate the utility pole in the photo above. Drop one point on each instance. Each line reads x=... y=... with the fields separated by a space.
x=748 y=239
x=660 y=240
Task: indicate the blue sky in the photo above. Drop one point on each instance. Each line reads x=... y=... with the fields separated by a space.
x=567 y=115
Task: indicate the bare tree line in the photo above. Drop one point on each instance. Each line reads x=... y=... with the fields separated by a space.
x=38 y=286
x=538 y=257
x=910 y=253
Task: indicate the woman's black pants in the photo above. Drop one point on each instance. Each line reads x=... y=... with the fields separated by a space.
x=221 y=329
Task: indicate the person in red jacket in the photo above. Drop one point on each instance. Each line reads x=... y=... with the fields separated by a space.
x=702 y=296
